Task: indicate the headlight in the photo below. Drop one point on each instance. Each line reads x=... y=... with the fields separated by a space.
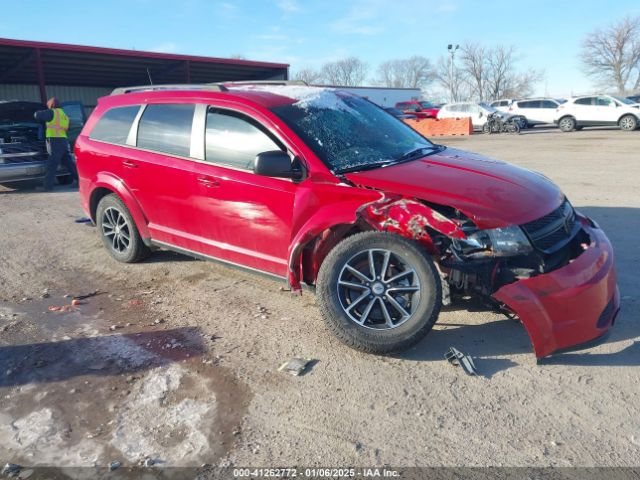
x=499 y=242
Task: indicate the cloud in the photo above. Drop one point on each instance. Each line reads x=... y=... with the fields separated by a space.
x=165 y=47
x=288 y=6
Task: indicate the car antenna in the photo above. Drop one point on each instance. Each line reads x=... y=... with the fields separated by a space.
x=149 y=73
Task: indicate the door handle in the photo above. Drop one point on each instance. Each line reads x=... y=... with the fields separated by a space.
x=129 y=164
x=208 y=182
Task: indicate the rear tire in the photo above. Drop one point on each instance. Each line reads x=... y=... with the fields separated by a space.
x=118 y=231
x=486 y=128
x=567 y=124
x=628 y=123
x=384 y=308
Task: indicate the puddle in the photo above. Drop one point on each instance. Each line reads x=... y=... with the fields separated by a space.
x=75 y=391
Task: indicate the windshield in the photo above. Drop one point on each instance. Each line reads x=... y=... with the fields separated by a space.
x=427 y=105
x=349 y=133
x=623 y=100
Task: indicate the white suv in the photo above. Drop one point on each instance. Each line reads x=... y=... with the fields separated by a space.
x=536 y=111
x=598 y=110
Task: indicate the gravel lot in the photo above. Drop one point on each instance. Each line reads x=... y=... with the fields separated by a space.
x=176 y=359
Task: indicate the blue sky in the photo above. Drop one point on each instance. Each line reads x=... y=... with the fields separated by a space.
x=307 y=33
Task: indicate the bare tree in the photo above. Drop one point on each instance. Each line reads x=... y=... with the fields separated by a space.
x=491 y=73
x=308 y=75
x=612 y=55
x=348 y=72
x=451 y=80
x=474 y=63
x=413 y=72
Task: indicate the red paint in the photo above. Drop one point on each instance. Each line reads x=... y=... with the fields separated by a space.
x=286 y=228
x=560 y=309
x=490 y=192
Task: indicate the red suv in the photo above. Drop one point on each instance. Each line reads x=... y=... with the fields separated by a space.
x=321 y=187
x=420 y=109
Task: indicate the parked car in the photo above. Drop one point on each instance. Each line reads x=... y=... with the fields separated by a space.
x=400 y=114
x=502 y=104
x=535 y=111
x=478 y=112
x=597 y=110
x=419 y=108
x=23 y=152
x=322 y=187
x=634 y=98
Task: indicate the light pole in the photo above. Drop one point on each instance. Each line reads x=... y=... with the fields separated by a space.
x=452 y=51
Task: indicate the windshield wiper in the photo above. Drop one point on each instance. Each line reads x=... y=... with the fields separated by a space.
x=405 y=157
x=419 y=152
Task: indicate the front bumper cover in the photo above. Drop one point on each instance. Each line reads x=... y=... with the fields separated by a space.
x=569 y=306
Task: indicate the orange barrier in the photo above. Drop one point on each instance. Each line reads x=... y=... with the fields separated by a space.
x=431 y=127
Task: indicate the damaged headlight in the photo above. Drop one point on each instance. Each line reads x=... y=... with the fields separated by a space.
x=498 y=242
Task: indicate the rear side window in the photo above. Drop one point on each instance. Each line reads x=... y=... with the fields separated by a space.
x=167 y=128
x=584 y=101
x=234 y=140
x=114 y=125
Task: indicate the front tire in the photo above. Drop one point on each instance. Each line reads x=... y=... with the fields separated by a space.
x=118 y=230
x=567 y=124
x=628 y=123
x=379 y=292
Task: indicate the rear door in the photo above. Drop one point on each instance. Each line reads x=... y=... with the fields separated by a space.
x=159 y=171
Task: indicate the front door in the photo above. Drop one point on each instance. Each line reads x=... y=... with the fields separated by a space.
x=243 y=218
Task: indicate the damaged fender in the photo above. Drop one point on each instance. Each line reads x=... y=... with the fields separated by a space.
x=406 y=217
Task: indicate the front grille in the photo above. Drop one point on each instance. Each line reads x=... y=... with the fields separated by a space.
x=553 y=231
x=23 y=152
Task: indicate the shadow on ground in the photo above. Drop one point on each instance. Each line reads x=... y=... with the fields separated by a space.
x=103 y=355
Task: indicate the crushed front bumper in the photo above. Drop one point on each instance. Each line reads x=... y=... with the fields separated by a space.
x=569 y=306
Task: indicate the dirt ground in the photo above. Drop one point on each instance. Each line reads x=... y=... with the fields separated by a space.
x=176 y=360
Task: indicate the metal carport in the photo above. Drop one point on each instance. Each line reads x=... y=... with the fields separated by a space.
x=51 y=66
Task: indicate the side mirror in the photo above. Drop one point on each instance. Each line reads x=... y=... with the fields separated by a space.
x=275 y=163
x=480 y=114
x=613 y=104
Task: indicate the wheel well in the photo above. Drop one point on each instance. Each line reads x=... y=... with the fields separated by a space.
x=96 y=196
x=629 y=115
x=567 y=116
x=317 y=248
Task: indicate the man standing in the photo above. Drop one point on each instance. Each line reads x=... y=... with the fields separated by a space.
x=56 y=126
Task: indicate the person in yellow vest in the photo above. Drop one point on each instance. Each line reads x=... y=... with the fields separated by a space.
x=56 y=125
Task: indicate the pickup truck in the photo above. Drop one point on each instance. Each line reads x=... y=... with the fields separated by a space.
x=23 y=151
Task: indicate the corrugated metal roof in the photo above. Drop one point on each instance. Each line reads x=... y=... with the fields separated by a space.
x=79 y=65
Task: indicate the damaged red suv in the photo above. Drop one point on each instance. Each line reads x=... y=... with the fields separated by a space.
x=323 y=188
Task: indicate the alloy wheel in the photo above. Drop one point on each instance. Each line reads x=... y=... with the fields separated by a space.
x=378 y=289
x=627 y=123
x=116 y=228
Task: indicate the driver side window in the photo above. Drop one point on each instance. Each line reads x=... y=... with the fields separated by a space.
x=233 y=140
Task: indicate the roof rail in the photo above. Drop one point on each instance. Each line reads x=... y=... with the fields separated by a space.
x=216 y=87
x=300 y=83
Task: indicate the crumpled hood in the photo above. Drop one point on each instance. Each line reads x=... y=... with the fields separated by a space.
x=491 y=192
